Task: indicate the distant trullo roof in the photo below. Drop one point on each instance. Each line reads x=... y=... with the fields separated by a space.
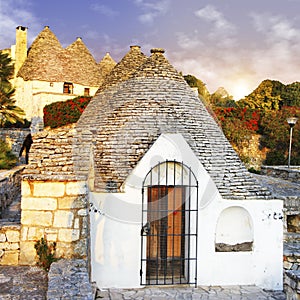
x=134 y=112
x=47 y=60
x=106 y=65
x=125 y=68
x=83 y=67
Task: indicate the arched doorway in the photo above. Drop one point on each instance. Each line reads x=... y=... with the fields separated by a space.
x=169 y=225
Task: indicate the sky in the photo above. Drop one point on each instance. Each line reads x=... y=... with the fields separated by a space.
x=234 y=44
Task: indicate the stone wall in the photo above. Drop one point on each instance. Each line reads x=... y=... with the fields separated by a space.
x=57 y=211
x=14 y=138
x=292 y=285
x=10 y=187
x=291 y=174
x=9 y=244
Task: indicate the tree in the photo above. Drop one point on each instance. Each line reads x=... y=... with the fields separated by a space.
x=291 y=94
x=7 y=158
x=192 y=81
x=6 y=67
x=8 y=109
x=267 y=96
x=276 y=133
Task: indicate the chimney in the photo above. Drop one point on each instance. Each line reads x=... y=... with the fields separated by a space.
x=21 y=47
x=135 y=47
x=157 y=51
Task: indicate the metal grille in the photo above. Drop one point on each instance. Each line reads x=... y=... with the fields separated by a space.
x=169 y=225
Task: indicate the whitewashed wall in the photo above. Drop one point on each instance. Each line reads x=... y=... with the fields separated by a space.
x=32 y=96
x=116 y=225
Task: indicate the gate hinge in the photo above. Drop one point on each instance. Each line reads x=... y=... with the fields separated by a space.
x=141 y=272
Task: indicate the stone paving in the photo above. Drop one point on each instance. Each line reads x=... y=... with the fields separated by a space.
x=185 y=293
x=23 y=283
x=31 y=283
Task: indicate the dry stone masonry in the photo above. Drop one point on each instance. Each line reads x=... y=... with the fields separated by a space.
x=68 y=279
x=10 y=187
x=14 y=138
x=291 y=174
x=52 y=155
x=56 y=210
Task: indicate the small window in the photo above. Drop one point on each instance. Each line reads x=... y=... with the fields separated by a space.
x=86 y=91
x=293 y=223
x=68 y=88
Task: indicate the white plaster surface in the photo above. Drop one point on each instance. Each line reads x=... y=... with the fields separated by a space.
x=116 y=226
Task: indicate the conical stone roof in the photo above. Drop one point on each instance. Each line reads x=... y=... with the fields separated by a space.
x=135 y=112
x=106 y=65
x=48 y=61
x=82 y=68
x=44 y=58
x=125 y=68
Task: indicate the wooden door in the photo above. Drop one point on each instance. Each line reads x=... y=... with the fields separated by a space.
x=165 y=241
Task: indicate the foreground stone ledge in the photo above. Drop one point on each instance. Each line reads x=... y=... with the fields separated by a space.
x=75 y=283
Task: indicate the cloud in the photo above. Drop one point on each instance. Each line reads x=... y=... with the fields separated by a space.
x=187 y=42
x=12 y=14
x=152 y=10
x=104 y=10
x=222 y=31
x=211 y=14
x=277 y=55
x=275 y=28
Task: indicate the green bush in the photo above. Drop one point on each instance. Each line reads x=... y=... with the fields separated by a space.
x=46 y=253
x=276 y=135
x=65 y=112
x=7 y=159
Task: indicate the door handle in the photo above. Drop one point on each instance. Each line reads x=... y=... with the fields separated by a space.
x=146 y=229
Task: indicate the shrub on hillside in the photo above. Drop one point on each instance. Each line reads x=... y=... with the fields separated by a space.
x=276 y=135
x=65 y=112
x=238 y=124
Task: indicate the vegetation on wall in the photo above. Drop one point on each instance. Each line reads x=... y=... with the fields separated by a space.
x=65 y=112
x=7 y=158
x=45 y=253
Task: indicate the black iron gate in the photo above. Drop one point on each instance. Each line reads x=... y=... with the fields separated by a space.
x=169 y=225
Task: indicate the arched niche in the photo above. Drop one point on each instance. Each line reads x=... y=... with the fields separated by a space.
x=234 y=230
